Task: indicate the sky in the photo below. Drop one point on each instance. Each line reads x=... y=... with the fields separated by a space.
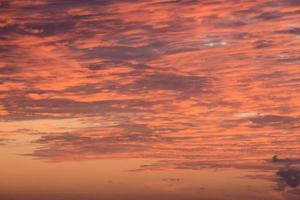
x=153 y=95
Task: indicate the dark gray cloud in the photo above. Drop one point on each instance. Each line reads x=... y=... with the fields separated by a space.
x=231 y=23
x=8 y=70
x=71 y=145
x=291 y=2
x=185 y=85
x=289 y=177
x=134 y=138
x=295 y=31
x=42 y=29
x=26 y=108
x=51 y=28
x=270 y=15
x=273 y=75
x=260 y=44
x=274 y=120
x=109 y=64
x=181 y=83
x=127 y=138
x=123 y=52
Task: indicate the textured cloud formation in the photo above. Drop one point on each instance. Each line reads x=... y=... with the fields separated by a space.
x=190 y=84
x=288 y=180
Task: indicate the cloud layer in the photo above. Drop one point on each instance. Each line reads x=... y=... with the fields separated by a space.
x=190 y=84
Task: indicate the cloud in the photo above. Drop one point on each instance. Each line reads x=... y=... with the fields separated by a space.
x=263 y=44
x=181 y=83
x=289 y=177
x=26 y=108
x=270 y=15
x=71 y=145
x=8 y=70
x=291 y=2
x=295 y=31
x=274 y=120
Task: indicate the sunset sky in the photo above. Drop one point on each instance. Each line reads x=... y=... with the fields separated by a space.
x=149 y=99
